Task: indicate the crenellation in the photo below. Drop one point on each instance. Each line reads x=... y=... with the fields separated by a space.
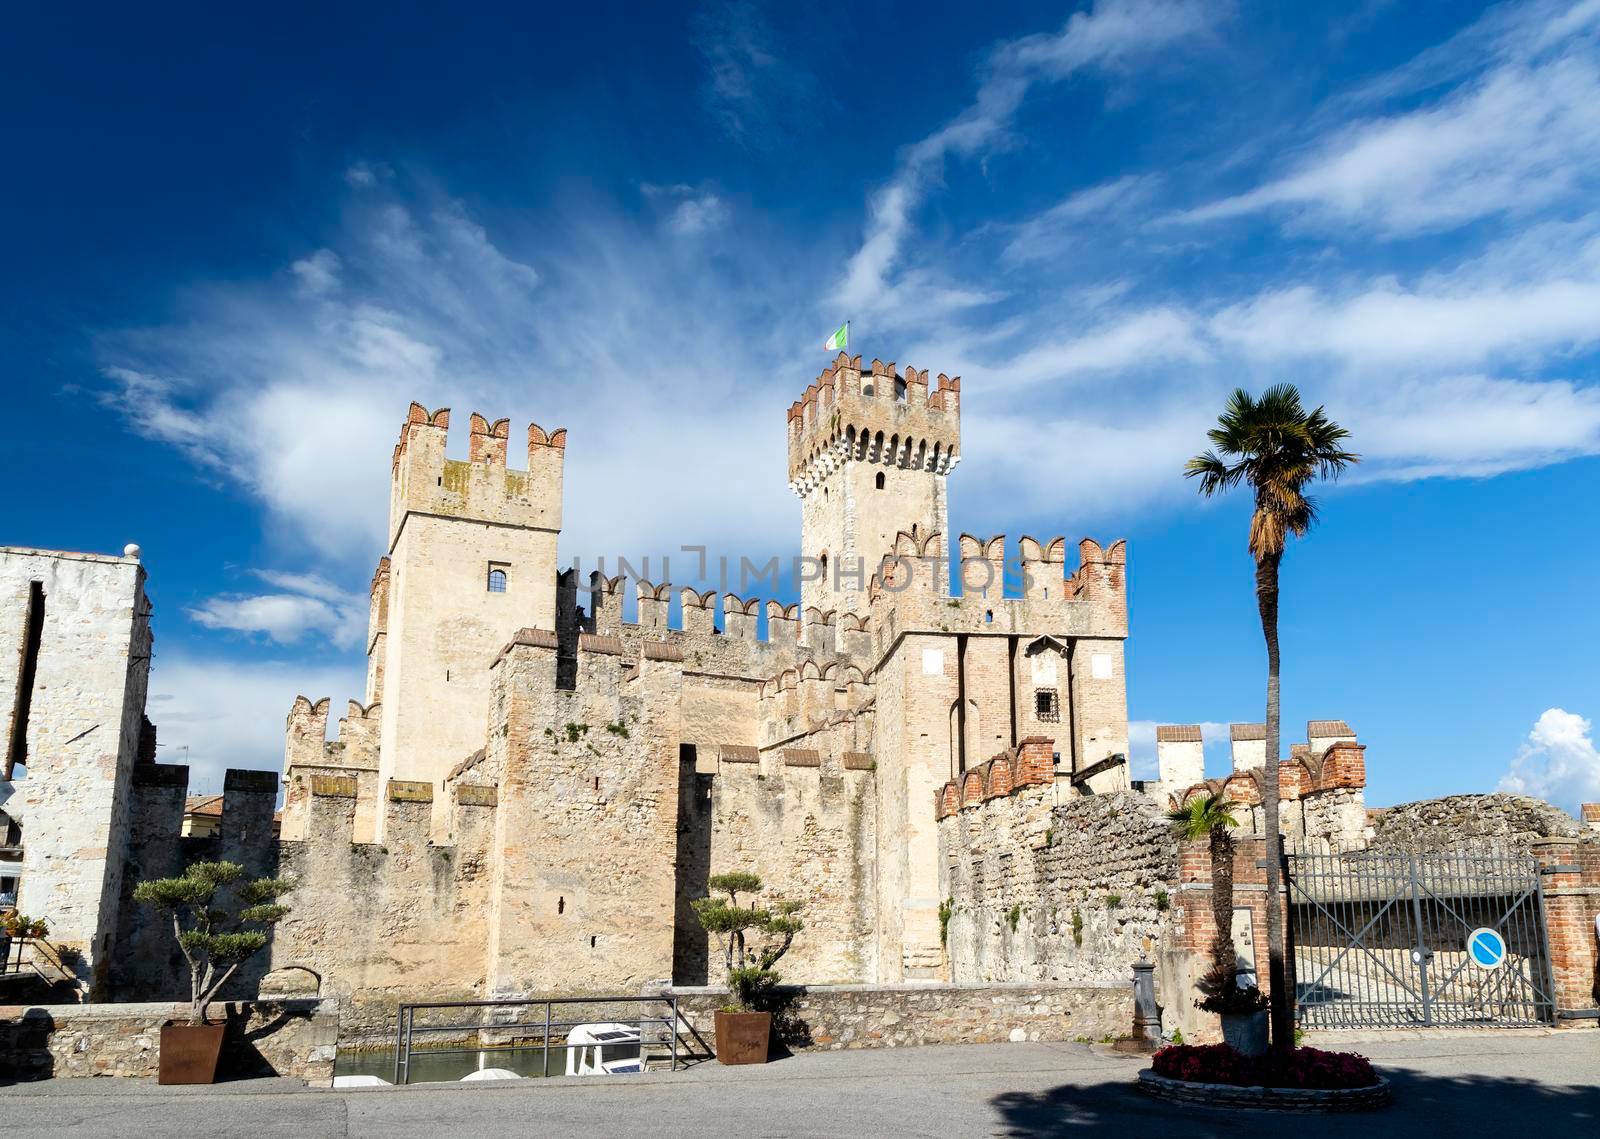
x=487 y=442
x=699 y=611
x=654 y=601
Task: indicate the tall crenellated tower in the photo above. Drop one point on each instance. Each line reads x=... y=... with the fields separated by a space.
x=472 y=559
x=869 y=452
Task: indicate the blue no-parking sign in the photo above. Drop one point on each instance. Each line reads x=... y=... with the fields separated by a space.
x=1486 y=948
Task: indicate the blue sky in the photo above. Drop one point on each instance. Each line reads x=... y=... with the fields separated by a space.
x=238 y=244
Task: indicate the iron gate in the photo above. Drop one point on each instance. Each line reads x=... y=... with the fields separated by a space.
x=1380 y=939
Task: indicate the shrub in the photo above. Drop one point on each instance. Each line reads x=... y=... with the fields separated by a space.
x=1302 y=1068
x=1163 y=901
x=210 y=937
x=749 y=968
x=1233 y=1001
x=946 y=908
x=21 y=925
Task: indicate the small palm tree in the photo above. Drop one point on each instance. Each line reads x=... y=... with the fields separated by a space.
x=1211 y=817
x=1277 y=448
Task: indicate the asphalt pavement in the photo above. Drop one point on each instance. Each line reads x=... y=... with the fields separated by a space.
x=1490 y=1085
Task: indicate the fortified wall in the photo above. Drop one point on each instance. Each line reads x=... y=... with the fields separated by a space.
x=1039 y=886
x=629 y=761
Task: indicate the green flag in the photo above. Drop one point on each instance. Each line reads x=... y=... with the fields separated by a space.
x=840 y=340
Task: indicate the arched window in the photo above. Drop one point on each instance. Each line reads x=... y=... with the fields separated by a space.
x=497 y=581
x=879 y=480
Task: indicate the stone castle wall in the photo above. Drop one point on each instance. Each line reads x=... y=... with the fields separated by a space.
x=85 y=731
x=1037 y=890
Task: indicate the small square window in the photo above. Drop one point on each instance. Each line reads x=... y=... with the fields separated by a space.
x=1047 y=705
x=497 y=580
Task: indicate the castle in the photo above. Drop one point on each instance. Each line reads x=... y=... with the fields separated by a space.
x=592 y=772
x=532 y=791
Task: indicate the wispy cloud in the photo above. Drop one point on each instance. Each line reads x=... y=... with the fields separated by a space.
x=1519 y=132
x=1111 y=36
x=1055 y=231
x=297 y=394
x=759 y=98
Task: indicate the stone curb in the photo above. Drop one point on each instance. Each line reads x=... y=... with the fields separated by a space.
x=1267 y=1099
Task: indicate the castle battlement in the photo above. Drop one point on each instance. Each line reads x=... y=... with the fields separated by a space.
x=482 y=487
x=883 y=416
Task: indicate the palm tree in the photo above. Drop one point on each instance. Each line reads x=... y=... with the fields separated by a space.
x=1277 y=448
x=1210 y=817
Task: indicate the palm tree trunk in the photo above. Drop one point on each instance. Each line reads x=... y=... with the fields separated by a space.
x=1224 y=954
x=1277 y=971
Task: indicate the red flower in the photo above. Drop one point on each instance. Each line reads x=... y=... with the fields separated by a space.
x=1303 y=1068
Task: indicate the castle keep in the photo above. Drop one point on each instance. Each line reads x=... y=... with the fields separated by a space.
x=532 y=789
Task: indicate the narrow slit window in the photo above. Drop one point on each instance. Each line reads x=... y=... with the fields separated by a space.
x=879 y=480
x=497 y=580
x=33 y=636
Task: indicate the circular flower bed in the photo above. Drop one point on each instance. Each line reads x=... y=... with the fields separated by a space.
x=1308 y=1079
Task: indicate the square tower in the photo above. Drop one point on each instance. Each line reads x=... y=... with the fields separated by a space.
x=869 y=453
x=472 y=559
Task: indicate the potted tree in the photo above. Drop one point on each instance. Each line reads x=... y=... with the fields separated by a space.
x=214 y=942
x=744 y=1030
x=1242 y=1010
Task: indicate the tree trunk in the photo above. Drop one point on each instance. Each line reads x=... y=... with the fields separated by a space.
x=1277 y=971
x=1224 y=954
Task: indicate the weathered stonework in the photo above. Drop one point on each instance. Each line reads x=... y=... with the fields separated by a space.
x=627 y=762
x=295 y=1038
x=834 y=1017
x=75 y=647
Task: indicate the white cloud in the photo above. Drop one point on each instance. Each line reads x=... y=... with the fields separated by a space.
x=1053 y=233
x=1111 y=36
x=1128 y=340
x=308 y=605
x=318 y=273
x=1559 y=762
x=1521 y=135
x=1386 y=322
x=230 y=713
x=299 y=398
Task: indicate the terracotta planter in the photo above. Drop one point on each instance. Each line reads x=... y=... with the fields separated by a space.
x=189 y=1053
x=742 y=1037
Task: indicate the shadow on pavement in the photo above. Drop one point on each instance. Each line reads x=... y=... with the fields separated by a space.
x=1423 y=1105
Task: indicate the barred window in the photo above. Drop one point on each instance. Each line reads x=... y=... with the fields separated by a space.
x=497 y=581
x=1047 y=705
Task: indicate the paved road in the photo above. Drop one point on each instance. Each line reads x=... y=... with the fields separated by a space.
x=1487 y=1085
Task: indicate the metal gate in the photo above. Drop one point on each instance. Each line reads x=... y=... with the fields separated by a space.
x=1380 y=940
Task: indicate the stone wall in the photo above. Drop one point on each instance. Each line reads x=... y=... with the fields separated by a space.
x=833 y=1017
x=1037 y=890
x=810 y=832
x=83 y=731
x=1442 y=824
x=295 y=1038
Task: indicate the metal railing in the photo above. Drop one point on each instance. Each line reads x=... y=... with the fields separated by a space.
x=504 y=1022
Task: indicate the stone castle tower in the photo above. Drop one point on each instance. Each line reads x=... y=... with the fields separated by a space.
x=472 y=559
x=868 y=457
